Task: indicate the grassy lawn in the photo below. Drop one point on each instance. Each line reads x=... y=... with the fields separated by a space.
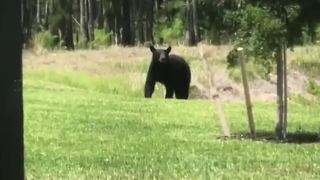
x=79 y=126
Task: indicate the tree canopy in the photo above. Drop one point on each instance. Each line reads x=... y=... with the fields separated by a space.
x=74 y=22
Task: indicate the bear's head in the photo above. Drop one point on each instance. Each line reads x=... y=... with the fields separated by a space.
x=160 y=55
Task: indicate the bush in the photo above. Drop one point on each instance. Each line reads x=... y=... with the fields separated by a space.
x=314 y=88
x=256 y=66
x=260 y=32
x=46 y=40
x=235 y=74
x=172 y=32
x=102 y=39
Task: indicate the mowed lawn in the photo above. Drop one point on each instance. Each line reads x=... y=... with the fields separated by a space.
x=77 y=127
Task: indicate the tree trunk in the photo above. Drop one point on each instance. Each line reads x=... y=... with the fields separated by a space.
x=117 y=33
x=285 y=91
x=126 y=29
x=38 y=16
x=66 y=27
x=150 y=22
x=46 y=16
x=190 y=34
x=100 y=15
x=140 y=27
x=107 y=18
x=91 y=20
x=280 y=124
x=26 y=21
x=11 y=101
x=133 y=12
x=195 y=21
x=68 y=39
x=84 y=20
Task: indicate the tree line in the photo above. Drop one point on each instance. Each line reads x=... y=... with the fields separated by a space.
x=126 y=22
x=132 y=22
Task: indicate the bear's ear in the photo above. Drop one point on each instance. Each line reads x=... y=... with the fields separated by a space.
x=152 y=49
x=168 y=49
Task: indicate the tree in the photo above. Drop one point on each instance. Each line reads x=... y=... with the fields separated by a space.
x=263 y=32
x=150 y=21
x=66 y=24
x=84 y=20
x=126 y=26
x=268 y=27
x=91 y=18
x=128 y=22
x=190 y=34
x=11 y=108
x=26 y=21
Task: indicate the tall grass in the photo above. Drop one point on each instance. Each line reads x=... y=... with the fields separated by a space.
x=306 y=59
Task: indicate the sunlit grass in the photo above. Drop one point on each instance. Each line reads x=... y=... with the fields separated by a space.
x=76 y=128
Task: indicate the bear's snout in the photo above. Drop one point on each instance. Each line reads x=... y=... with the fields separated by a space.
x=162 y=60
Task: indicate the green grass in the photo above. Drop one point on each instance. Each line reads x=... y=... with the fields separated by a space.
x=80 y=126
x=306 y=59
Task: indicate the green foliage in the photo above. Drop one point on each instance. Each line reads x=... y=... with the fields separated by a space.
x=235 y=74
x=306 y=59
x=172 y=32
x=306 y=38
x=317 y=31
x=219 y=21
x=233 y=58
x=260 y=31
x=46 y=40
x=314 y=88
x=257 y=66
x=102 y=39
x=254 y=71
x=264 y=66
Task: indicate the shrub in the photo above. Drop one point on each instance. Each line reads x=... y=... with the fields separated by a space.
x=235 y=73
x=46 y=40
x=314 y=88
x=171 y=32
x=102 y=39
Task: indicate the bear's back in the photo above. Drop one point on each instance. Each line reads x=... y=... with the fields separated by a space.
x=178 y=63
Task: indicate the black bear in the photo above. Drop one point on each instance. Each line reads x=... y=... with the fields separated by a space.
x=170 y=70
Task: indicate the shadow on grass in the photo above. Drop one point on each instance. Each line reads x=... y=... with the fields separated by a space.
x=300 y=137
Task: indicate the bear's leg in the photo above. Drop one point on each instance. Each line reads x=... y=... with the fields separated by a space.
x=182 y=93
x=169 y=92
x=149 y=88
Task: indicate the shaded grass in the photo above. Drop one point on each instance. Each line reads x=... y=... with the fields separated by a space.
x=77 y=127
